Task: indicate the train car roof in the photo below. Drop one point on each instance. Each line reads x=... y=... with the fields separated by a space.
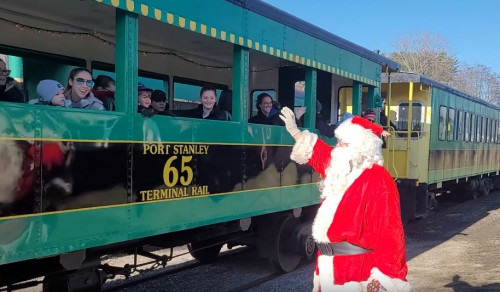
x=403 y=77
x=294 y=22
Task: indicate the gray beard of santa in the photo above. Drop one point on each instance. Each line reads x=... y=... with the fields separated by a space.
x=11 y=159
x=346 y=165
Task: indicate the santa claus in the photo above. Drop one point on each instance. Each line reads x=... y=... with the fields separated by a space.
x=358 y=226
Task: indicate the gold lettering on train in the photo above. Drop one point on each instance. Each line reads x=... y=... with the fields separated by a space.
x=166 y=149
x=173 y=193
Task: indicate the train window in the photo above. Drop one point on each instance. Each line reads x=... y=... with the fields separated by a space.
x=25 y=72
x=451 y=124
x=417 y=120
x=467 y=126
x=490 y=135
x=483 y=132
x=472 y=127
x=487 y=131
x=443 y=111
x=498 y=132
x=300 y=90
x=479 y=127
x=493 y=131
x=460 y=126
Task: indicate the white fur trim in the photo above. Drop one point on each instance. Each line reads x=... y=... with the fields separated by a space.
x=362 y=140
x=326 y=277
x=390 y=284
x=327 y=210
x=303 y=148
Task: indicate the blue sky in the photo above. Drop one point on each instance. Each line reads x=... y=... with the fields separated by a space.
x=472 y=27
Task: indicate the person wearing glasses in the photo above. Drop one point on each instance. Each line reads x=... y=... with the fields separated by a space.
x=267 y=113
x=78 y=90
x=372 y=117
x=10 y=89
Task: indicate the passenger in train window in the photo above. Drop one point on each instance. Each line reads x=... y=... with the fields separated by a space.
x=324 y=127
x=268 y=113
x=51 y=92
x=383 y=118
x=369 y=115
x=104 y=89
x=208 y=108
x=10 y=89
x=358 y=228
x=144 y=100
x=159 y=103
x=78 y=90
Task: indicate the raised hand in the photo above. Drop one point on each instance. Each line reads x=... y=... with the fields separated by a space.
x=288 y=117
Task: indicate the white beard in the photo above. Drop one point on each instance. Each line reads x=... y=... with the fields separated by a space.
x=11 y=159
x=344 y=169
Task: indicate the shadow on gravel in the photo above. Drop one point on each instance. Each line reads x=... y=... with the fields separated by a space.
x=438 y=227
x=462 y=286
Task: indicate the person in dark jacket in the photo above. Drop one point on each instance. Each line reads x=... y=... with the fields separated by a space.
x=159 y=103
x=324 y=127
x=10 y=90
x=267 y=113
x=104 y=89
x=208 y=108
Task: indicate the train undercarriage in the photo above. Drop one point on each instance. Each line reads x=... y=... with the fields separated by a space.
x=284 y=238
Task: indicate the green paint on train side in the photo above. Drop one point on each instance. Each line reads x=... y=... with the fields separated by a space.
x=43 y=235
x=225 y=21
x=455 y=159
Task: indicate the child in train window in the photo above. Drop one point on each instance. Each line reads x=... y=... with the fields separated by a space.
x=51 y=92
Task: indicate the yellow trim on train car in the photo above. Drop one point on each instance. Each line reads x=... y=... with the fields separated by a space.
x=193 y=26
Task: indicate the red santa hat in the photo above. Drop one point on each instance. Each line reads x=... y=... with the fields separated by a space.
x=358 y=131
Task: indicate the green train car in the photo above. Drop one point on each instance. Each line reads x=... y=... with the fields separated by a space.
x=78 y=184
x=443 y=141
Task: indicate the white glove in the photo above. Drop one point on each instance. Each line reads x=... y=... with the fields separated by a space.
x=289 y=118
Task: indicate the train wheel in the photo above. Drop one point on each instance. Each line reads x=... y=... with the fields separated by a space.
x=204 y=251
x=284 y=257
x=485 y=185
x=80 y=280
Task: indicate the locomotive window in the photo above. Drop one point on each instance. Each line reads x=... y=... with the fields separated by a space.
x=479 y=127
x=467 y=126
x=460 y=126
x=442 y=122
x=451 y=124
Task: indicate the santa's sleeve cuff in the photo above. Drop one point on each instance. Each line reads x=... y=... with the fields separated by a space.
x=303 y=148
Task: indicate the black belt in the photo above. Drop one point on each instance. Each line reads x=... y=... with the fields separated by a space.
x=340 y=248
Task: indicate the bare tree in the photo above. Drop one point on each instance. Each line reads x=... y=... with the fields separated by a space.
x=425 y=54
x=478 y=81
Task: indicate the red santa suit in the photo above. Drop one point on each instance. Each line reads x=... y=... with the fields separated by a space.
x=360 y=207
